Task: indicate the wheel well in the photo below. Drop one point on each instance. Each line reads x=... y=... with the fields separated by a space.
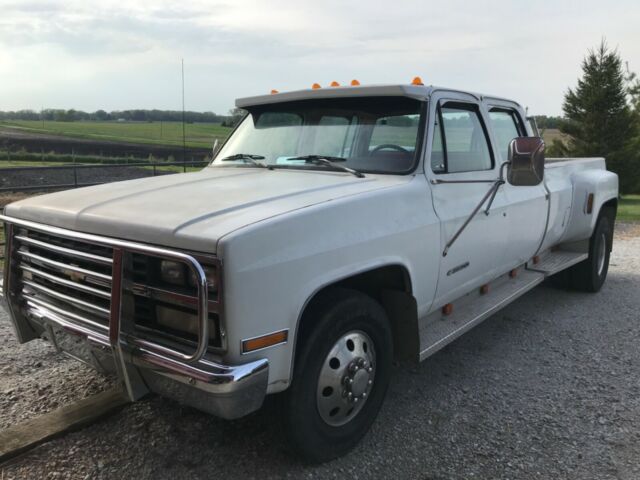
x=391 y=287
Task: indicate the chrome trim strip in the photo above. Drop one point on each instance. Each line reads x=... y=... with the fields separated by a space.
x=63 y=267
x=61 y=311
x=65 y=298
x=169 y=296
x=63 y=250
x=65 y=282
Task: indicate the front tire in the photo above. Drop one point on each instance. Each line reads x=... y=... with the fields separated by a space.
x=341 y=375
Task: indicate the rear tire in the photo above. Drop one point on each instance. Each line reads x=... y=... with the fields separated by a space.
x=341 y=375
x=589 y=275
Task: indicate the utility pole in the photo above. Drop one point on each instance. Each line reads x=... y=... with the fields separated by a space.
x=184 y=145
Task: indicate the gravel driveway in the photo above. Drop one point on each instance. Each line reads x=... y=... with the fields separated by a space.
x=547 y=388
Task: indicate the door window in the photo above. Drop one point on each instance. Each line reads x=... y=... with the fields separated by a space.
x=460 y=141
x=506 y=127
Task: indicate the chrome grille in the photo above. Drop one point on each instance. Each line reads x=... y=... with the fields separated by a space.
x=70 y=277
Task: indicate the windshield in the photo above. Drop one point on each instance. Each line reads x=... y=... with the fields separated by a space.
x=368 y=134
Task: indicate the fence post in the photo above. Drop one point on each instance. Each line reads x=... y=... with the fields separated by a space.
x=73 y=156
x=75 y=176
x=154 y=169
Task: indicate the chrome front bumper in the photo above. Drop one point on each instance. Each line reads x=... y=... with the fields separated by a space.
x=142 y=366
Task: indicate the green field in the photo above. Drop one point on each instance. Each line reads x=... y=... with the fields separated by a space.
x=629 y=208
x=159 y=133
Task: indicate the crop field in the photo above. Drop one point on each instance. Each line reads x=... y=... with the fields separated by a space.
x=157 y=133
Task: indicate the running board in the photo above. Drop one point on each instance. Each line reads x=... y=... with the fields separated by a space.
x=438 y=329
x=556 y=261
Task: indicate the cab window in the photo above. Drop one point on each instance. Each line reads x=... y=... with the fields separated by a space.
x=506 y=127
x=460 y=141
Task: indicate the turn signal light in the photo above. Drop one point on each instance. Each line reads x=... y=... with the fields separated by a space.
x=264 y=341
x=417 y=81
x=355 y=83
x=484 y=289
x=447 y=309
x=315 y=86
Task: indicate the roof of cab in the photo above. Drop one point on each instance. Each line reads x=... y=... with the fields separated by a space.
x=419 y=92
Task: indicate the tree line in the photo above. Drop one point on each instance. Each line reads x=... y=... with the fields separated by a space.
x=135 y=115
x=602 y=116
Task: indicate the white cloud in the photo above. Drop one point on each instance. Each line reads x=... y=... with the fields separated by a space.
x=113 y=54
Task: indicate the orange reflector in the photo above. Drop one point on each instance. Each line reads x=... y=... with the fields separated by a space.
x=355 y=83
x=315 y=86
x=536 y=260
x=513 y=273
x=274 y=91
x=447 y=309
x=417 y=81
x=484 y=289
x=265 y=341
x=335 y=84
x=590 y=203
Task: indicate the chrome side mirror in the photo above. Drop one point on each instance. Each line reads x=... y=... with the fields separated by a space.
x=526 y=161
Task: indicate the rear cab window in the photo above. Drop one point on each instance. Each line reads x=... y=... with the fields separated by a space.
x=506 y=126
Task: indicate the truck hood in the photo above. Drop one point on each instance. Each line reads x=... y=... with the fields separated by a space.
x=192 y=211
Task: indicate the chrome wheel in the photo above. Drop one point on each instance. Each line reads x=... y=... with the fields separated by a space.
x=346 y=378
x=601 y=253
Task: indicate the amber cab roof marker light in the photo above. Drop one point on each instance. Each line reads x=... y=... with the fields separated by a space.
x=355 y=83
x=316 y=86
x=416 y=81
x=335 y=84
x=274 y=92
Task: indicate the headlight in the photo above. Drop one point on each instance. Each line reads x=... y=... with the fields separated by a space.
x=210 y=273
x=173 y=272
x=177 y=273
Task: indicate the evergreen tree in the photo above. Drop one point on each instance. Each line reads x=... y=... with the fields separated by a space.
x=598 y=118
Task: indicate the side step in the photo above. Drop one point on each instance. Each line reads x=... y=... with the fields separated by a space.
x=556 y=261
x=437 y=330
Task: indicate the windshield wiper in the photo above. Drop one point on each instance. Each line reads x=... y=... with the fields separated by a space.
x=328 y=161
x=247 y=158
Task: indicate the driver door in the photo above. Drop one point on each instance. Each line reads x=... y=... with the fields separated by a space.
x=462 y=169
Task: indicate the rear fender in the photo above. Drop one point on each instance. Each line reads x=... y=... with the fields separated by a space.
x=582 y=221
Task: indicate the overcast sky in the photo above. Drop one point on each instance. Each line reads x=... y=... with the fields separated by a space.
x=126 y=54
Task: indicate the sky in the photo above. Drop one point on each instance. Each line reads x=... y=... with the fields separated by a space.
x=126 y=54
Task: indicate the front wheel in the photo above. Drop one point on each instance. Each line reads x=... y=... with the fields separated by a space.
x=341 y=375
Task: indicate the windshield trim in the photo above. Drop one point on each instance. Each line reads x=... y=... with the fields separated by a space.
x=417 y=158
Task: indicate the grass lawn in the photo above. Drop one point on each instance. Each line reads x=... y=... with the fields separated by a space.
x=629 y=208
x=159 y=133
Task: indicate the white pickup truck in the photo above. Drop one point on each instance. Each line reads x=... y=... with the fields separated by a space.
x=337 y=230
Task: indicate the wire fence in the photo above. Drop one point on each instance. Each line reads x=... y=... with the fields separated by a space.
x=61 y=177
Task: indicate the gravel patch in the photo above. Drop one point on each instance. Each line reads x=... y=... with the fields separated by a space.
x=547 y=388
x=35 y=379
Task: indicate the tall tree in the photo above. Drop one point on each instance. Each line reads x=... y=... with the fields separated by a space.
x=598 y=118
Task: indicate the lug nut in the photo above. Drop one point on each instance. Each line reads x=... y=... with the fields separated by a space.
x=369 y=382
x=370 y=369
x=364 y=394
x=355 y=399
